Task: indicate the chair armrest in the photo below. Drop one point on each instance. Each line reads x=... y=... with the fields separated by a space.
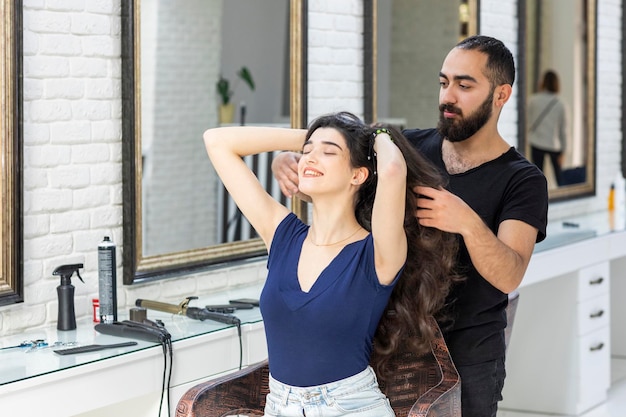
x=425 y=385
x=444 y=398
x=243 y=392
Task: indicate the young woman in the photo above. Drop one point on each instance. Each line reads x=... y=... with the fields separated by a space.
x=547 y=125
x=329 y=283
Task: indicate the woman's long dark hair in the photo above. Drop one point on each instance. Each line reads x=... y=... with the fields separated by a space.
x=428 y=275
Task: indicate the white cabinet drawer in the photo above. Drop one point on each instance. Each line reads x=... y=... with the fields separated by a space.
x=593 y=281
x=595 y=368
x=593 y=314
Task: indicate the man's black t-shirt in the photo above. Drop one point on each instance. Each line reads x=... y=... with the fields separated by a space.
x=508 y=187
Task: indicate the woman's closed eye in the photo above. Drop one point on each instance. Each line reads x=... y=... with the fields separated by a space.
x=327 y=150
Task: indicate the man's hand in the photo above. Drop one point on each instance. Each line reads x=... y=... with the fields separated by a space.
x=285 y=170
x=502 y=260
x=442 y=210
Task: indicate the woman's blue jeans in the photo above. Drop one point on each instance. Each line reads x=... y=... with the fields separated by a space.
x=358 y=395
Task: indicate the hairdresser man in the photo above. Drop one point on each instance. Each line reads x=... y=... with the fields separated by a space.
x=496 y=201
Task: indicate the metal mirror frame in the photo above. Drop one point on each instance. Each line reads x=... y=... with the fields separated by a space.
x=587 y=188
x=139 y=268
x=11 y=234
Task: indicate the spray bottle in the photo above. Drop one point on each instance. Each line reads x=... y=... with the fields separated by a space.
x=67 y=317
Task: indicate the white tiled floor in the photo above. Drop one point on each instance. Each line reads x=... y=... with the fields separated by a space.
x=615 y=406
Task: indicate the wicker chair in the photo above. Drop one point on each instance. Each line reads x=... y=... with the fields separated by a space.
x=424 y=386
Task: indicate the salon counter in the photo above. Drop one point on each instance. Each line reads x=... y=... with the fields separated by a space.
x=128 y=380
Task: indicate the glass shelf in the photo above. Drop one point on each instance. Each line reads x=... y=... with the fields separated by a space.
x=18 y=364
x=574 y=229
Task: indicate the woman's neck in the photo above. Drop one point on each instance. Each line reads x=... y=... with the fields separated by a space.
x=333 y=223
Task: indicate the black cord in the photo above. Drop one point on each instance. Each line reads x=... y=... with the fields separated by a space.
x=169 y=376
x=166 y=344
x=164 y=373
x=240 y=345
x=152 y=332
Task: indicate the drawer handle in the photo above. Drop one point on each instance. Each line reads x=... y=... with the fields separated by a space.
x=596 y=281
x=596 y=314
x=599 y=346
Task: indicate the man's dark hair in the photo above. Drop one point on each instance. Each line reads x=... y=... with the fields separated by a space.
x=500 y=63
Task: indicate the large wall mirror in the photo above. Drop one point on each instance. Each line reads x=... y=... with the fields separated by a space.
x=405 y=44
x=559 y=36
x=11 y=281
x=187 y=66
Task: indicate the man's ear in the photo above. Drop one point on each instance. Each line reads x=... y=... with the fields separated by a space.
x=501 y=94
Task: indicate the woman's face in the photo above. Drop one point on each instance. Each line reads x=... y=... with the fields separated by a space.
x=325 y=164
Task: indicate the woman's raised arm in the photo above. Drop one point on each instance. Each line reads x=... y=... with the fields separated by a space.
x=226 y=146
x=390 y=242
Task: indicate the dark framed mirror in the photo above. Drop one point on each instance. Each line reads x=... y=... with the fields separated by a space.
x=188 y=66
x=405 y=44
x=11 y=278
x=559 y=36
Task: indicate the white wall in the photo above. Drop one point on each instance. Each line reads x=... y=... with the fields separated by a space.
x=72 y=136
x=72 y=149
x=335 y=55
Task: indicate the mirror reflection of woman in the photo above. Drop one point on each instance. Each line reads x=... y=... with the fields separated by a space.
x=329 y=283
x=547 y=129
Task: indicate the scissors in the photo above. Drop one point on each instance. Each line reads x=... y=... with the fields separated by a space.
x=30 y=344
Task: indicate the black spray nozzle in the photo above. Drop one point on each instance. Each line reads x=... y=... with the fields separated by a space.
x=66 y=272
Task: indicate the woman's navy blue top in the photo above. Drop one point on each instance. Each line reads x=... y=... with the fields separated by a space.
x=323 y=335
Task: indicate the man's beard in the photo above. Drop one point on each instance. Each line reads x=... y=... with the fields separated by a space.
x=459 y=129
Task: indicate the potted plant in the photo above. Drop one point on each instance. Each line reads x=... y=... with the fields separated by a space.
x=227 y=108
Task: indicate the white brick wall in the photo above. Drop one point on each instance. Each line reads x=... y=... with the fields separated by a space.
x=72 y=136
x=335 y=57
x=72 y=149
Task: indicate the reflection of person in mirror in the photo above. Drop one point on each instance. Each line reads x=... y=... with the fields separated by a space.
x=330 y=283
x=496 y=201
x=547 y=125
